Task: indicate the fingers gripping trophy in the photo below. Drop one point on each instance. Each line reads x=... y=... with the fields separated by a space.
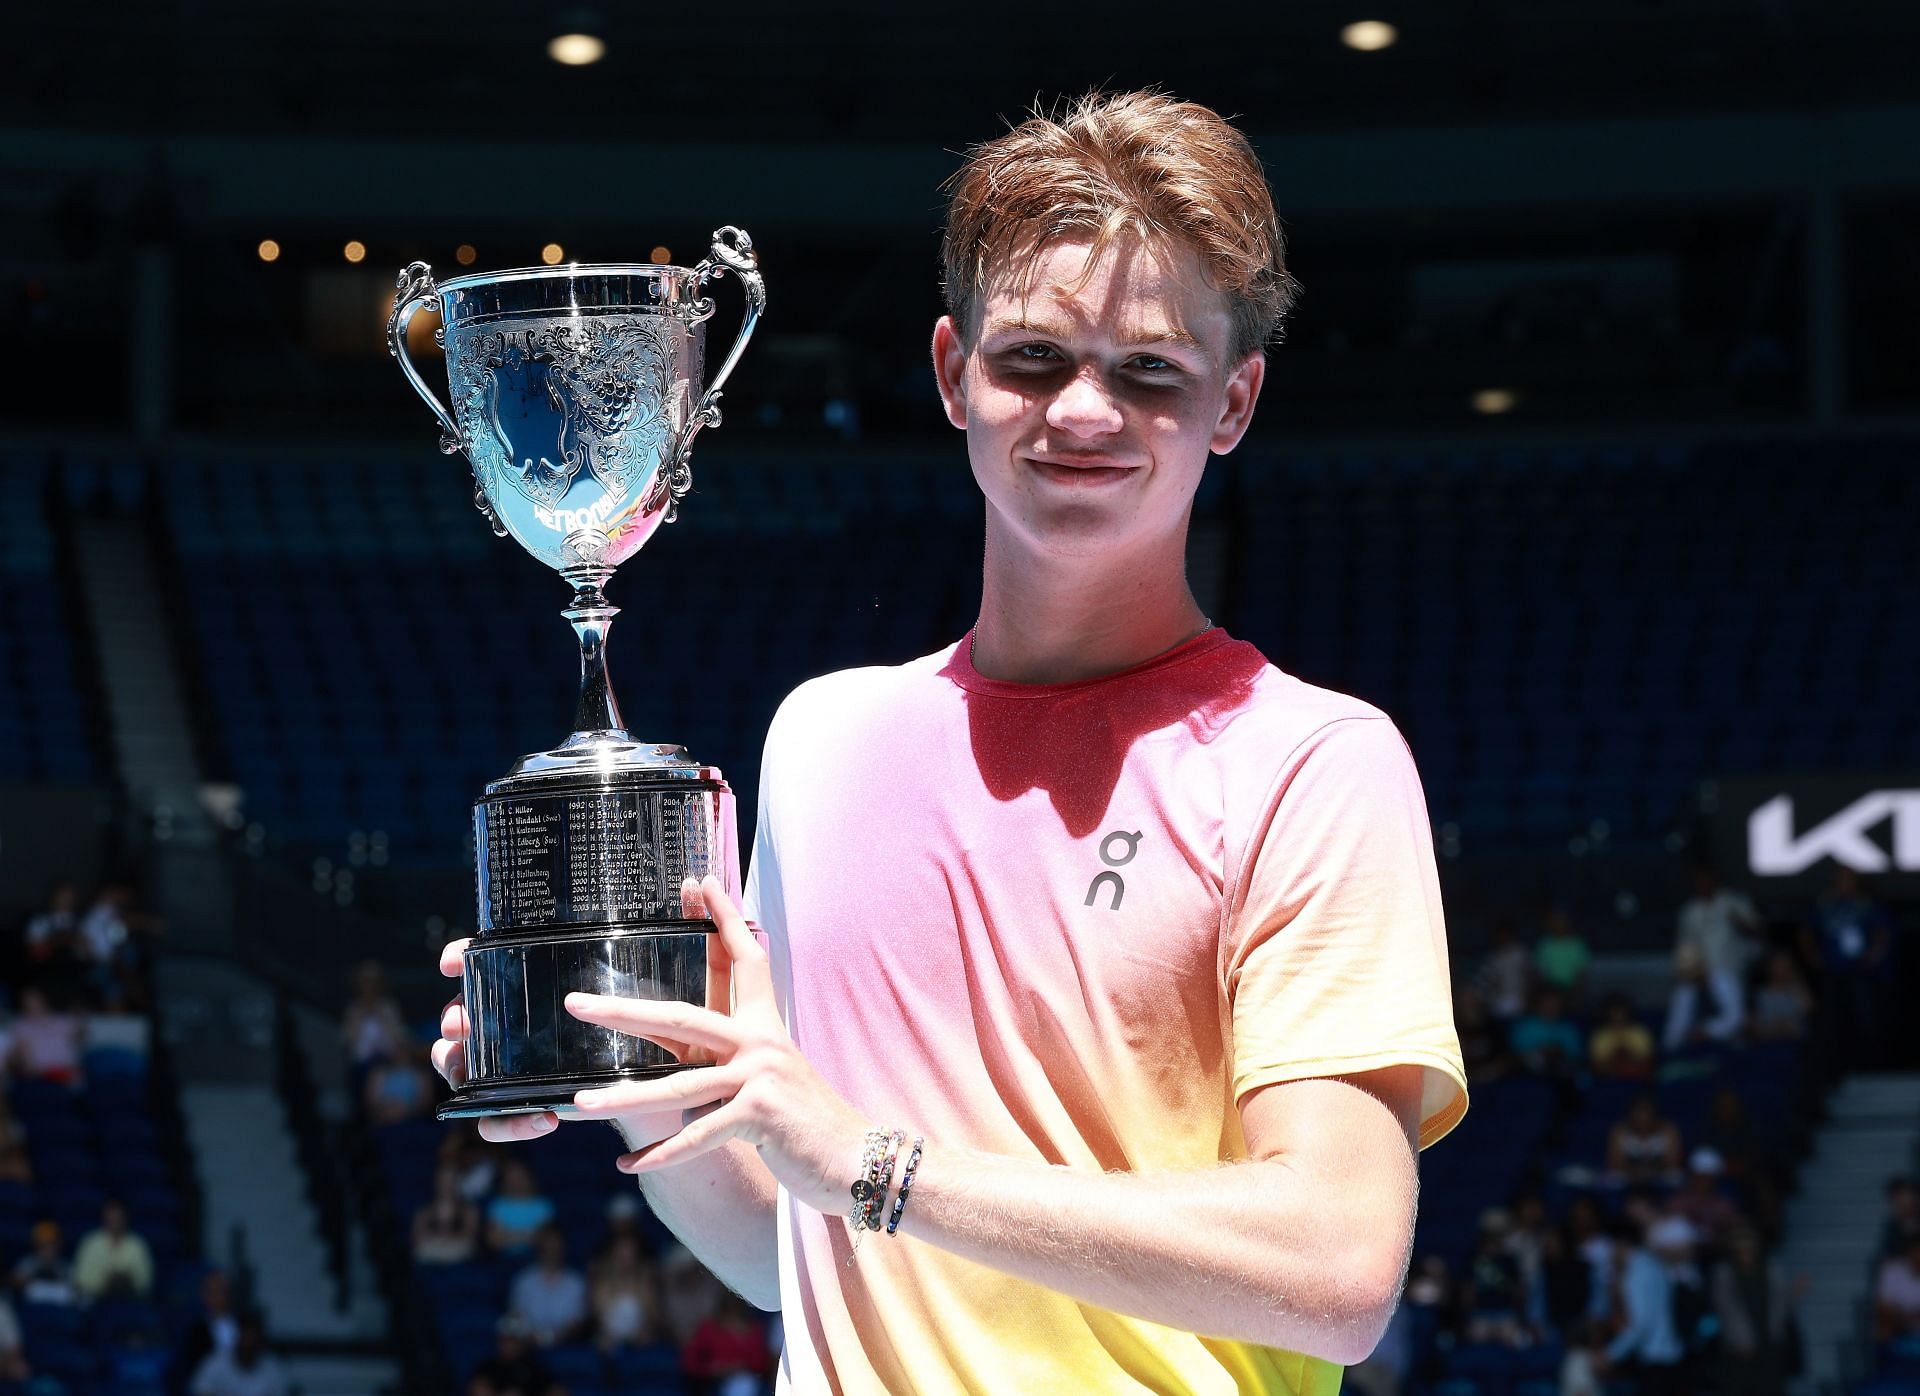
x=576 y=398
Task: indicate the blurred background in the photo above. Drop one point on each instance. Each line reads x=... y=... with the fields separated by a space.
x=1590 y=456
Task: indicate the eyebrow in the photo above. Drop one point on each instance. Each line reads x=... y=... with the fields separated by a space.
x=1052 y=329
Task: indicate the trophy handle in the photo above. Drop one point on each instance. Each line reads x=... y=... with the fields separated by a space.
x=732 y=251
x=415 y=289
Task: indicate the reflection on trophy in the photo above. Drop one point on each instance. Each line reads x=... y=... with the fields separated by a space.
x=576 y=398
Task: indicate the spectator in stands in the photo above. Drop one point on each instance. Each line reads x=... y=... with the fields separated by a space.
x=398 y=1087
x=1704 y=1007
x=1722 y=926
x=727 y=1353
x=1852 y=942
x=1644 y=1146
x=16 y=1164
x=1493 y=1294
x=1546 y=1042
x=626 y=1299
x=1431 y=1287
x=46 y=1043
x=1753 y=1304
x=517 y=1212
x=550 y=1296
x=1483 y=1042
x=1505 y=976
x=13 y=1357
x=1562 y=1284
x=1748 y=1163
x=372 y=1027
x=215 y=1329
x=1896 y=1300
x=514 y=1369
x=1588 y=1238
x=247 y=1370
x=43 y=1275
x=446 y=1228
x=689 y=1294
x=1527 y=1238
x=1621 y=1048
x=1782 y=1002
x=108 y=938
x=1712 y=1214
x=1902 y=1224
x=1649 y=1344
x=623 y=1222
x=1585 y=1357
x=477 y=1162
x=1561 y=957
x=53 y=942
x=113 y=1261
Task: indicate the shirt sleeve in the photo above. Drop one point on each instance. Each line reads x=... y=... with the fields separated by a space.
x=1336 y=945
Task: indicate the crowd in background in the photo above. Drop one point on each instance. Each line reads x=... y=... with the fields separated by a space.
x=1652 y=1258
x=1657 y=1264
x=628 y=1292
x=73 y=968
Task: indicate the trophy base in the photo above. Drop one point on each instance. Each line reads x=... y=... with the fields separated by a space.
x=525 y=1097
x=526 y=1052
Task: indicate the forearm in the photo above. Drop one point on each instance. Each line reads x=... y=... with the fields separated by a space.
x=1263 y=1251
x=721 y=1207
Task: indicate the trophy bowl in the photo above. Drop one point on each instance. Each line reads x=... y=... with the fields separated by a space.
x=576 y=394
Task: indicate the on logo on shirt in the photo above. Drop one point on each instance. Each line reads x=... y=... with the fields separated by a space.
x=1110 y=879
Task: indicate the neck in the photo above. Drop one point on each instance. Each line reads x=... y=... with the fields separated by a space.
x=1048 y=619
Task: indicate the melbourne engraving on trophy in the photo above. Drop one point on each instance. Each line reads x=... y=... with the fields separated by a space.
x=576 y=395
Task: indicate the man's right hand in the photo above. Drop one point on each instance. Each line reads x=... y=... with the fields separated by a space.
x=450 y=1060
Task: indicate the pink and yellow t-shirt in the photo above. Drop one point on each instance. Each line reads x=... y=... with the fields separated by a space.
x=1079 y=923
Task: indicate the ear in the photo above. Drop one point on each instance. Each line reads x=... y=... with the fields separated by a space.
x=1236 y=404
x=950 y=369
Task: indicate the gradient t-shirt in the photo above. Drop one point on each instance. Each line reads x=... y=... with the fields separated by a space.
x=1078 y=923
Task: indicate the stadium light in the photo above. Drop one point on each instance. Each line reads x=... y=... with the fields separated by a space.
x=1369 y=35
x=576 y=50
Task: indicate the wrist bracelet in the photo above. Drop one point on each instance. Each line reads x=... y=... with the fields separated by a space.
x=906 y=1185
x=869 y=1193
x=863 y=1185
x=878 y=1206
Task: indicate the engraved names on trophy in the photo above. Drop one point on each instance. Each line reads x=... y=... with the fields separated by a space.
x=589 y=855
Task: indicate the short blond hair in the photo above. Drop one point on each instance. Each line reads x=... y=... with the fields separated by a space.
x=1173 y=173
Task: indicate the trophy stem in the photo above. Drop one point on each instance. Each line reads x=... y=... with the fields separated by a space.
x=597 y=716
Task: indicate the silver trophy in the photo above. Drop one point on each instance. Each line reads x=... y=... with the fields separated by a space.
x=576 y=398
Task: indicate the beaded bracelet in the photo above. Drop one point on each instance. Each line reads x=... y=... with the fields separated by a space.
x=863 y=1186
x=870 y=1189
x=906 y=1186
x=879 y=1203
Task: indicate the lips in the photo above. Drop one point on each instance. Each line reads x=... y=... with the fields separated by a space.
x=1085 y=470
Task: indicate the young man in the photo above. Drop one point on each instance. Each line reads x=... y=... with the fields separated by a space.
x=1140 y=936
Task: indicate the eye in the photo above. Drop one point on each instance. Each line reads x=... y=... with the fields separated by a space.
x=1153 y=363
x=1035 y=353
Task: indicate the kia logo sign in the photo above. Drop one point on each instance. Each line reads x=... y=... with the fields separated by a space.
x=1776 y=849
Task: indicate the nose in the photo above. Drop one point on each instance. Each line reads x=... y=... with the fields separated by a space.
x=1084 y=407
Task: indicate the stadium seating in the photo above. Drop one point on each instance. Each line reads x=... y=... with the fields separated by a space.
x=87 y=1143
x=43 y=722
x=1566 y=636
